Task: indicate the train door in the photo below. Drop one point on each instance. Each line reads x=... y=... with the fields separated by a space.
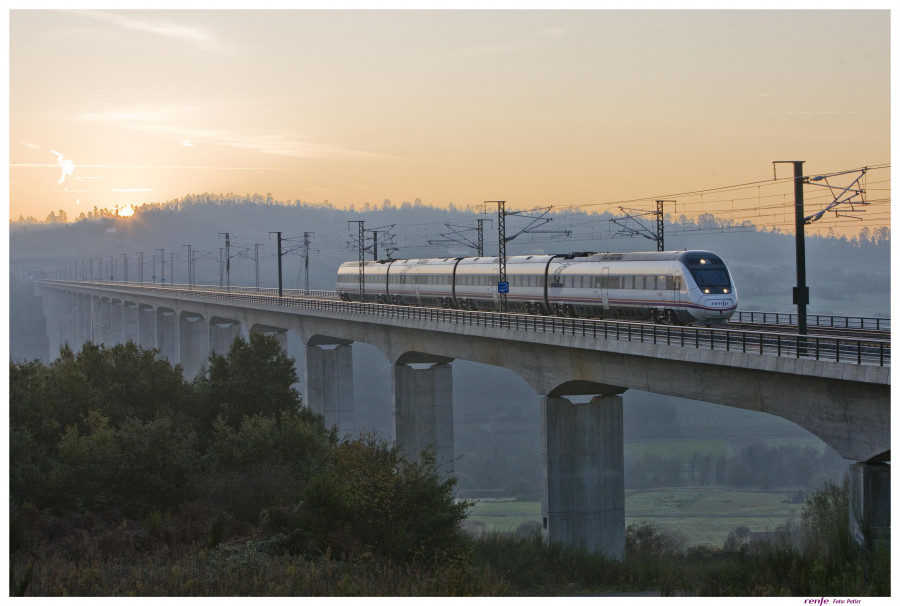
x=674 y=289
x=604 y=288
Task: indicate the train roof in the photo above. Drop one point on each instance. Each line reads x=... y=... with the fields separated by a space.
x=688 y=257
x=685 y=256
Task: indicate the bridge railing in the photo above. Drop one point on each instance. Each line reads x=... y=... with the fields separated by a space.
x=824 y=321
x=836 y=349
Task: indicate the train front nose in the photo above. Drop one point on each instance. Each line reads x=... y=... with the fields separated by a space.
x=719 y=307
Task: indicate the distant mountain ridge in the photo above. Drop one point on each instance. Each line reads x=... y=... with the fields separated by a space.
x=847 y=276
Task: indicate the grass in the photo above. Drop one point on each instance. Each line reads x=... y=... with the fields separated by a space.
x=105 y=557
x=685 y=448
x=704 y=515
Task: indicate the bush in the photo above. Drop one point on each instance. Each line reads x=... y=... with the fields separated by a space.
x=136 y=468
x=368 y=499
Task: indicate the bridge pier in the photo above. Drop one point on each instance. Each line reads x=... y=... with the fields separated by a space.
x=117 y=323
x=583 y=479
x=329 y=384
x=69 y=325
x=85 y=319
x=221 y=333
x=870 y=503
x=104 y=311
x=131 y=329
x=146 y=326
x=193 y=339
x=167 y=334
x=423 y=412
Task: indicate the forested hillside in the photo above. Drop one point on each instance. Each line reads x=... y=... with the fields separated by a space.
x=846 y=276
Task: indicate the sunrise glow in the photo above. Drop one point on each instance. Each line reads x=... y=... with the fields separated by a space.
x=353 y=107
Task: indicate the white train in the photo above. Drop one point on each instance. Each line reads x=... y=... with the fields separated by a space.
x=686 y=287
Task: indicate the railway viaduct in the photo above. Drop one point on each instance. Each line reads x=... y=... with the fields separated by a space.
x=838 y=391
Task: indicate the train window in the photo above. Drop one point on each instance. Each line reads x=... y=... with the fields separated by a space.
x=711 y=278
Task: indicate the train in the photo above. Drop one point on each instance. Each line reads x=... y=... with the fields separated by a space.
x=679 y=287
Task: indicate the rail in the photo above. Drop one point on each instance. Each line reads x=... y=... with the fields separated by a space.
x=834 y=349
x=812 y=320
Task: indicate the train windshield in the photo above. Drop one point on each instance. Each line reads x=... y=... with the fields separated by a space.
x=715 y=279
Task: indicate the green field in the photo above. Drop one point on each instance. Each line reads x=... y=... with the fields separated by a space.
x=680 y=446
x=704 y=516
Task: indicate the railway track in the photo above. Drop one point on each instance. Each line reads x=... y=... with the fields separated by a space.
x=823 y=331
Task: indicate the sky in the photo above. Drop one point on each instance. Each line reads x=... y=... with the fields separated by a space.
x=536 y=107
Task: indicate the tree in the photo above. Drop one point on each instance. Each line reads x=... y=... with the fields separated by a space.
x=255 y=377
x=368 y=499
x=137 y=467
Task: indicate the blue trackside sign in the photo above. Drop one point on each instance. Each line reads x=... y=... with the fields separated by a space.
x=503 y=287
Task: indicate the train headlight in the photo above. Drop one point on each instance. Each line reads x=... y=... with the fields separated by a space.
x=702 y=261
x=706 y=290
x=725 y=290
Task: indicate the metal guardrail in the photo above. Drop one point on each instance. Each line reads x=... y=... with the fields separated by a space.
x=834 y=349
x=812 y=320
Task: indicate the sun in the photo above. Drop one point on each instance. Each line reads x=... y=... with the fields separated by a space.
x=125 y=212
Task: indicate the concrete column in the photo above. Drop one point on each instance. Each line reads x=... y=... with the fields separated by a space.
x=583 y=479
x=146 y=320
x=329 y=385
x=104 y=307
x=85 y=319
x=423 y=412
x=167 y=335
x=193 y=340
x=50 y=299
x=117 y=322
x=221 y=334
x=68 y=319
x=130 y=322
x=870 y=503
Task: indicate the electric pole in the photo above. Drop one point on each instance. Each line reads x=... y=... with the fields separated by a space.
x=480 y=236
x=306 y=236
x=227 y=259
x=256 y=262
x=280 y=289
x=162 y=257
x=190 y=262
x=660 y=225
x=801 y=291
x=362 y=261
x=502 y=284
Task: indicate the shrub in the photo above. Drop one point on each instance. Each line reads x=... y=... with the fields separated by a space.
x=136 y=468
x=369 y=499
